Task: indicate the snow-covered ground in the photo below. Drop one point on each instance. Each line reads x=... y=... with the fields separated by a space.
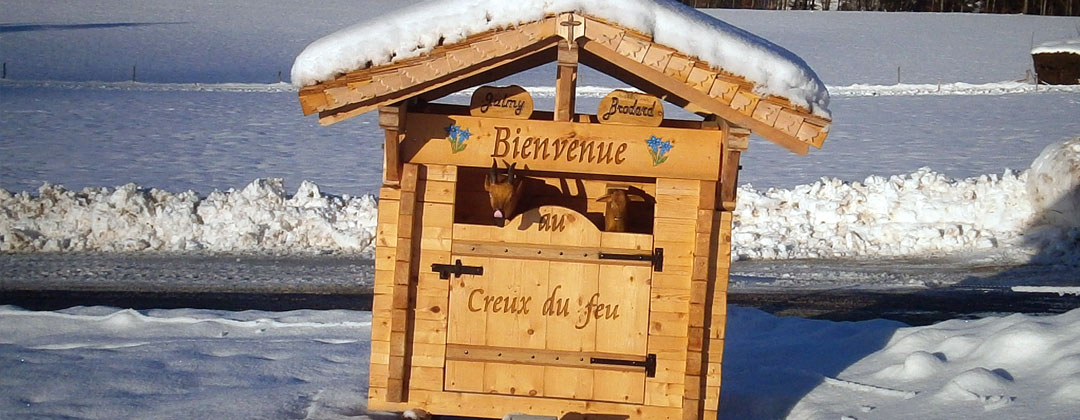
x=104 y=363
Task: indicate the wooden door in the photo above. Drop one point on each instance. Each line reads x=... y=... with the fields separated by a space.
x=557 y=312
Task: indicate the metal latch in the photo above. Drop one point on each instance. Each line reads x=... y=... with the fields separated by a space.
x=445 y=270
x=649 y=364
x=657 y=258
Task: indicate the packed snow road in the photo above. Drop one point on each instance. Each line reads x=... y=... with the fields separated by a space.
x=912 y=291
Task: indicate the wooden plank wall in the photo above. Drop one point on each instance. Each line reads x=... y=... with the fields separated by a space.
x=415 y=228
x=689 y=302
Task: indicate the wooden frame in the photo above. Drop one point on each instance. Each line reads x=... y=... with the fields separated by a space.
x=472 y=319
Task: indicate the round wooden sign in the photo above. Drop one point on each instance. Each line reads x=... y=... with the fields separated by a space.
x=630 y=108
x=501 y=102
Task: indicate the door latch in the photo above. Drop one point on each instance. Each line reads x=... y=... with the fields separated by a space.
x=457 y=269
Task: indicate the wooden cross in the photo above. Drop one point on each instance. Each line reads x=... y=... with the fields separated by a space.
x=570 y=24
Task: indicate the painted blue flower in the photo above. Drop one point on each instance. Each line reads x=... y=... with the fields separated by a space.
x=658 y=148
x=457 y=137
x=654 y=143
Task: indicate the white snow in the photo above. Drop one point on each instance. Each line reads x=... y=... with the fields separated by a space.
x=1071 y=46
x=1017 y=366
x=415 y=30
x=921 y=214
x=1060 y=291
x=105 y=363
x=260 y=217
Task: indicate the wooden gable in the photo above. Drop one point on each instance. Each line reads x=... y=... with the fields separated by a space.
x=625 y=54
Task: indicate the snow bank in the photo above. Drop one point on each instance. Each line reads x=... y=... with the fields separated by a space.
x=990 y=368
x=1036 y=213
x=412 y=31
x=259 y=217
x=1065 y=46
x=1016 y=216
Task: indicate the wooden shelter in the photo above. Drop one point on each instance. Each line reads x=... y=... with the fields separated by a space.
x=1057 y=68
x=551 y=314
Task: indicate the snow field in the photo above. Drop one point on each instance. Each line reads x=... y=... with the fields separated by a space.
x=103 y=363
x=1015 y=217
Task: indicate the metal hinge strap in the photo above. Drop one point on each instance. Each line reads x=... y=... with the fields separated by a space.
x=657 y=258
x=649 y=363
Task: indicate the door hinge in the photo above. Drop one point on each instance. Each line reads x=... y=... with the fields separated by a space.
x=445 y=270
x=649 y=363
x=656 y=258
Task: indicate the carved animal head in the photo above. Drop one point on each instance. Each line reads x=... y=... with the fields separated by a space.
x=618 y=206
x=504 y=190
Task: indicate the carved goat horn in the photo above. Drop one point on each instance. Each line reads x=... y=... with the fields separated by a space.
x=510 y=176
x=493 y=176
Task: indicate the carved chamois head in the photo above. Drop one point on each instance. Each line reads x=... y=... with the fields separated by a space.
x=504 y=190
x=618 y=206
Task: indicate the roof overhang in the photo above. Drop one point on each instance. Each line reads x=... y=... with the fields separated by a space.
x=630 y=56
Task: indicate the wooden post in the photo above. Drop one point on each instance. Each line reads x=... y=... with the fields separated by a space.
x=392 y=120
x=405 y=268
x=566 y=82
x=736 y=140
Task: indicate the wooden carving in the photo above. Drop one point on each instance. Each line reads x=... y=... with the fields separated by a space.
x=501 y=102
x=630 y=108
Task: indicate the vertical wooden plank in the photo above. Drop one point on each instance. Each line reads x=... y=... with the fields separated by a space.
x=392 y=121
x=566 y=81
x=625 y=333
x=464 y=376
x=560 y=382
x=736 y=140
x=466 y=325
x=569 y=285
x=404 y=268
x=619 y=386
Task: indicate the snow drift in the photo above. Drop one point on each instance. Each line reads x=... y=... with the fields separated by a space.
x=1018 y=216
x=260 y=217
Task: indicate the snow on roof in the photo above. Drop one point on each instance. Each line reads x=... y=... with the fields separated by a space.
x=1064 y=46
x=415 y=30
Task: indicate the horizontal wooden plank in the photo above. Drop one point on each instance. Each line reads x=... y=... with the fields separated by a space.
x=565 y=146
x=549 y=253
x=668 y=324
x=495 y=406
x=539 y=357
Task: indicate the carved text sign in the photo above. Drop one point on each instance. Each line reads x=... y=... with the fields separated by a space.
x=630 y=108
x=505 y=102
x=563 y=146
x=555 y=305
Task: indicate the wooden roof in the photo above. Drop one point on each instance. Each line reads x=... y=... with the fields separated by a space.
x=622 y=53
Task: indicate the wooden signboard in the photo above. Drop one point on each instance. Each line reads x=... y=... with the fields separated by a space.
x=540 y=324
x=501 y=102
x=562 y=146
x=630 y=108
